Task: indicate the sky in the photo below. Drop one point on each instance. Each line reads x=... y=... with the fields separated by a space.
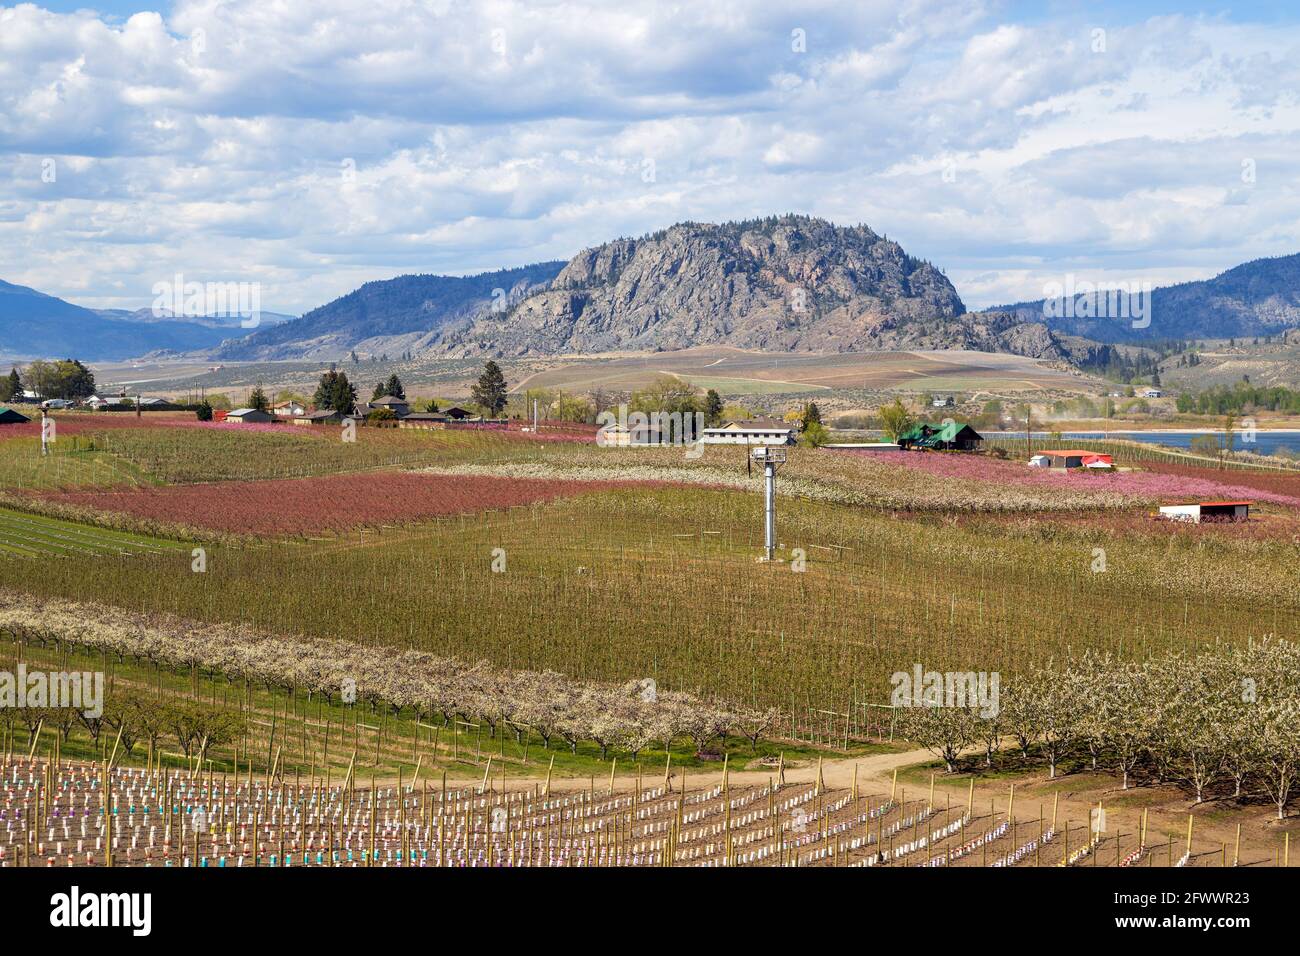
x=309 y=146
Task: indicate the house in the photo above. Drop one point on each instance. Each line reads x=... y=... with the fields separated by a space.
x=942 y=402
x=755 y=431
x=398 y=406
x=326 y=416
x=950 y=436
x=1199 y=511
x=10 y=417
x=1150 y=393
x=1074 y=458
x=289 y=410
x=97 y=403
x=424 y=420
x=456 y=413
x=248 y=416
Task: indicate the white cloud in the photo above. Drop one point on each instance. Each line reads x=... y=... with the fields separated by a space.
x=215 y=142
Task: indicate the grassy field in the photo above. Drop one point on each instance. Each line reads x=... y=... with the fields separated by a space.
x=23 y=534
x=736 y=372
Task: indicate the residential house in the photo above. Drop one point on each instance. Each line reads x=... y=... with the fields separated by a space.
x=424 y=420
x=326 y=416
x=398 y=406
x=949 y=436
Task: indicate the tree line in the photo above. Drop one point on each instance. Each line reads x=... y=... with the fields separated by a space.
x=67 y=379
x=624 y=717
x=1226 y=719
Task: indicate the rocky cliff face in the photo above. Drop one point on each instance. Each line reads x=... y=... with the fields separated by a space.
x=780 y=284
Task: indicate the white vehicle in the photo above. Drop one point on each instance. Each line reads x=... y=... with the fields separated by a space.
x=56 y=403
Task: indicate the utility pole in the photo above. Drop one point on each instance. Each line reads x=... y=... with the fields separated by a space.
x=771 y=459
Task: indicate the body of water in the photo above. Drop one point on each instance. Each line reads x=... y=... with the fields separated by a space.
x=1265 y=443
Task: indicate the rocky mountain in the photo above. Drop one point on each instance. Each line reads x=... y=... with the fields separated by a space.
x=392 y=316
x=1261 y=297
x=36 y=325
x=789 y=283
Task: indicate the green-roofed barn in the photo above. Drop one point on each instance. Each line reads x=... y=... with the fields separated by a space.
x=950 y=436
x=10 y=417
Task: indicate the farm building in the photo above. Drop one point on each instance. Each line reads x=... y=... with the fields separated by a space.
x=326 y=416
x=424 y=420
x=950 y=436
x=456 y=413
x=1199 y=511
x=289 y=410
x=623 y=436
x=10 y=417
x=757 y=431
x=248 y=416
x=1072 y=458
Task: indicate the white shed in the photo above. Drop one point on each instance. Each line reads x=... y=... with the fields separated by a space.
x=1198 y=511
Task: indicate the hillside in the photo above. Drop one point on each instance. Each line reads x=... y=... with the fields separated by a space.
x=391 y=316
x=783 y=284
x=1261 y=297
x=36 y=325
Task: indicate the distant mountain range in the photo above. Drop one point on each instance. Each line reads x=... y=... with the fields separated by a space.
x=1261 y=297
x=393 y=316
x=783 y=283
x=35 y=325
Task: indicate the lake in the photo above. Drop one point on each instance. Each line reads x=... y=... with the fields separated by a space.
x=1265 y=443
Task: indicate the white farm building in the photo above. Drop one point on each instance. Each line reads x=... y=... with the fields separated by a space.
x=757 y=431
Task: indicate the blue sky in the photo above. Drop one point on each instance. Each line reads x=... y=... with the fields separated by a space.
x=313 y=146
